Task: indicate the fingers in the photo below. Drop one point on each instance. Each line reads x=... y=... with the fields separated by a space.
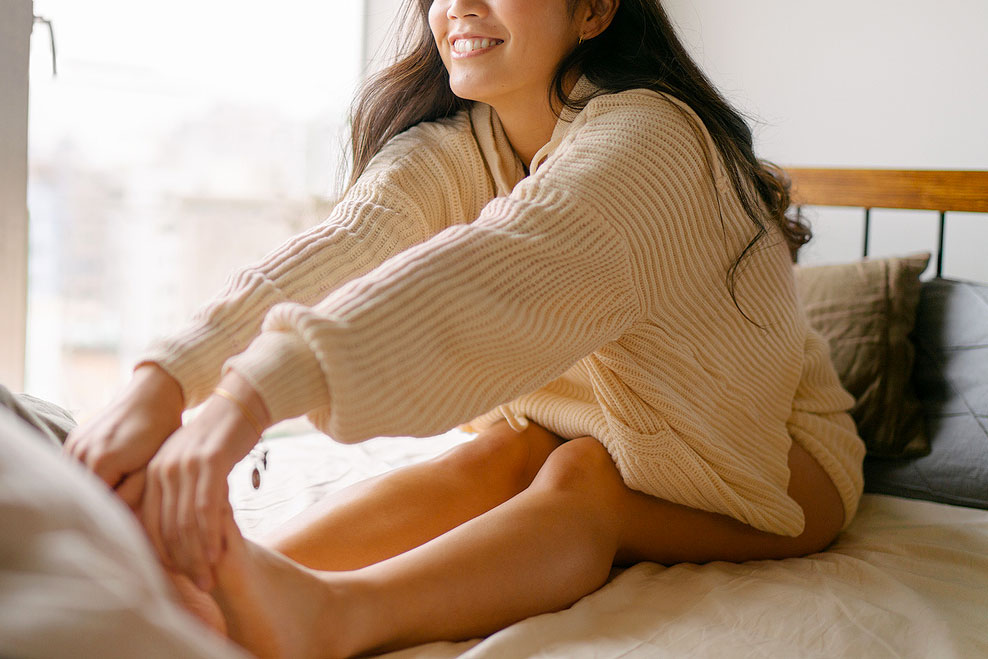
x=70 y=446
x=151 y=513
x=105 y=468
x=186 y=490
x=75 y=445
x=101 y=461
x=185 y=537
x=184 y=500
x=213 y=499
x=109 y=451
x=127 y=433
x=131 y=489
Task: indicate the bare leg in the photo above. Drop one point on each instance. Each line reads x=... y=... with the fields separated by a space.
x=392 y=513
x=540 y=551
x=401 y=509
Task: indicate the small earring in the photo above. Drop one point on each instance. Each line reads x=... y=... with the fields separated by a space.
x=580 y=43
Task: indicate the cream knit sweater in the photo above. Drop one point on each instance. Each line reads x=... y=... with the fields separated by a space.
x=589 y=297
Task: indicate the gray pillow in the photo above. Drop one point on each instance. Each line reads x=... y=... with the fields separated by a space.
x=951 y=379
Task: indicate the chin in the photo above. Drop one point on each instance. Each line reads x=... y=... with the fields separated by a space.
x=470 y=90
x=465 y=93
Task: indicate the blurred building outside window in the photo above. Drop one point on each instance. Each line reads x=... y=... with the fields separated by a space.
x=177 y=142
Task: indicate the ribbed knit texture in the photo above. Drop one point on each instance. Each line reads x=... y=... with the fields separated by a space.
x=589 y=297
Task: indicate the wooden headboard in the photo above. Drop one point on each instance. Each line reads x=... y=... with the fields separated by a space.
x=935 y=190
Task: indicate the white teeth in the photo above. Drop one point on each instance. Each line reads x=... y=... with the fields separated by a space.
x=470 y=45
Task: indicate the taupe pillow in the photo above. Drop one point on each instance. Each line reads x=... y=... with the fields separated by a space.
x=866 y=310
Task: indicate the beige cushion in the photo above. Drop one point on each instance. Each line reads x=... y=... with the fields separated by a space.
x=866 y=310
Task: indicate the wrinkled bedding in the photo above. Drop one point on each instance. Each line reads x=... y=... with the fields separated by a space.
x=908 y=578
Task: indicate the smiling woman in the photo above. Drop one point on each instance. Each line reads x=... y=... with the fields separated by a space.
x=502 y=53
x=542 y=239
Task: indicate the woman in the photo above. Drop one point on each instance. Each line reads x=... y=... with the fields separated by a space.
x=554 y=222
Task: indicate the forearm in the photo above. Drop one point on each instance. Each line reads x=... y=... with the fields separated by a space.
x=358 y=237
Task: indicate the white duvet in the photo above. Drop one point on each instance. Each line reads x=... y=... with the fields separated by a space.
x=907 y=579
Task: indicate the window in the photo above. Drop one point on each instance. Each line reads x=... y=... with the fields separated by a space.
x=177 y=142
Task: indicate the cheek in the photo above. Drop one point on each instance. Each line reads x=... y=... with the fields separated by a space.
x=437 y=24
x=437 y=16
x=551 y=38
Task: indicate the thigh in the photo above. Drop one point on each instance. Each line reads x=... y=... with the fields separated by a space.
x=669 y=533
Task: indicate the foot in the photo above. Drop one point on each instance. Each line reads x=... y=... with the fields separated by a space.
x=273 y=606
x=198 y=602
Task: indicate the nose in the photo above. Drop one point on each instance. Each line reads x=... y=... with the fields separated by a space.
x=466 y=8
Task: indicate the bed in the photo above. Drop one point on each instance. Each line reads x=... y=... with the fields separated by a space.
x=908 y=578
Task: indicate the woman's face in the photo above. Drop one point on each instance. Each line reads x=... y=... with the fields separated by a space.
x=503 y=51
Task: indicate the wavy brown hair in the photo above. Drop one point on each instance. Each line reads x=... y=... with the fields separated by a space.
x=639 y=49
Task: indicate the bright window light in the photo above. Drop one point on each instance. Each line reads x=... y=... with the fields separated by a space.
x=178 y=141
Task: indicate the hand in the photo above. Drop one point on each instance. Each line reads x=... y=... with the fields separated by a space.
x=118 y=443
x=186 y=496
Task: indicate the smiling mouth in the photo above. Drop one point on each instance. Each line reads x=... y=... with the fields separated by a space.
x=463 y=47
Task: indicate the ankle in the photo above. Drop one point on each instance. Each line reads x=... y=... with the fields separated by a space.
x=350 y=610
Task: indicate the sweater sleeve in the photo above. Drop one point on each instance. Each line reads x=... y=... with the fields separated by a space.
x=470 y=319
x=376 y=219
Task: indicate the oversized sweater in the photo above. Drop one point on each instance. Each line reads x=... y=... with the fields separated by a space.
x=590 y=296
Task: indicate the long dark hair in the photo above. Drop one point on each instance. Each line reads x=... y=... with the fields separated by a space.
x=639 y=49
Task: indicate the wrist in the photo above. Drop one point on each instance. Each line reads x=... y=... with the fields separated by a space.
x=237 y=390
x=151 y=381
x=226 y=431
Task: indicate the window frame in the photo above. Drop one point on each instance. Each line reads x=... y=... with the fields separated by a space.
x=16 y=22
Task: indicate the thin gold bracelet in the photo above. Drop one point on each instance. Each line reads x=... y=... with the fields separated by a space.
x=251 y=419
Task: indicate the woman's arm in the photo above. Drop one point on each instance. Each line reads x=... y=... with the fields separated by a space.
x=380 y=216
x=118 y=443
x=480 y=313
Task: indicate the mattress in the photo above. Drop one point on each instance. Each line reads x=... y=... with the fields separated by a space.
x=908 y=578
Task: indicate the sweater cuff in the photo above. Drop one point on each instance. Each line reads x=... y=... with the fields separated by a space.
x=193 y=358
x=285 y=374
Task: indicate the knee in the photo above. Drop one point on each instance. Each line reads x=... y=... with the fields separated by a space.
x=499 y=457
x=821 y=530
x=815 y=492
x=581 y=466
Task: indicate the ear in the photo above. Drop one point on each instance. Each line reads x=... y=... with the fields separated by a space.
x=595 y=16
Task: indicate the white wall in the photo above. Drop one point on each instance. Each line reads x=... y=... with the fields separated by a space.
x=848 y=83
x=874 y=83
x=858 y=83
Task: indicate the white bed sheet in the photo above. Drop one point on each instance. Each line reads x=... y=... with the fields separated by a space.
x=907 y=579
